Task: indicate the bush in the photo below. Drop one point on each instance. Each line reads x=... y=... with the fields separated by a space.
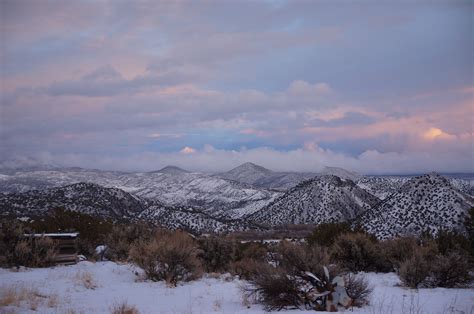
x=169 y=256
x=273 y=288
x=397 y=251
x=449 y=241
x=11 y=233
x=216 y=254
x=121 y=237
x=450 y=270
x=124 y=308
x=297 y=259
x=34 y=252
x=414 y=271
x=297 y=277
x=325 y=234
x=358 y=289
x=356 y=252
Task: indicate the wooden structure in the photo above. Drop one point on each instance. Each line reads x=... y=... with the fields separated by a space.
x=66 y=246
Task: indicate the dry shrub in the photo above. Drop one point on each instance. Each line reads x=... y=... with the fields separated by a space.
x=11 y=232
x=124 y=308
x=169 y=256
x=450 y=270
x=296 y=259
x=245 y=268
x=414 y=271
x=273 y=288
x=358 y=289
x=35 y=252
x=86 y=279
x=121 y=238
x=216 y=253
x=397 y=251
x=325 y=234
x=356 y=252
x=19 y=295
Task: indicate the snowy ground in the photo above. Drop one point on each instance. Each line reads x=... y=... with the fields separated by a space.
x=97 y=287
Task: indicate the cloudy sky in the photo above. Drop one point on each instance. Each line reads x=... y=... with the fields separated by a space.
x=371 y=86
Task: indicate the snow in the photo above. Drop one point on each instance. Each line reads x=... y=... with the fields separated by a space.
x=116 y=283
x=71 y=235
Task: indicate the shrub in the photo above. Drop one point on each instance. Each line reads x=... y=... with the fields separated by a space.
x=124 y=308
x=449 y=241
x=325 y=234
x=297 y=259
x=356 y=252
x=245 y=268
x=450 y=270
x=11 y=233
x=216 y=253
x=414 y=271
x=121 y=237
x=86 y=279
x=273 y=288
x=358 y=289
x=34 y=252
x=396 y=251
x=169 y=256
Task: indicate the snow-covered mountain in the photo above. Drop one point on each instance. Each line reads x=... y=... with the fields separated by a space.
x=92 y=199
x=172 y=188
x=341 y=173
x=261 y=177
x=319 y=200
x=171 y=170
x=384 y=186
x=427 y=202
x=87 y=198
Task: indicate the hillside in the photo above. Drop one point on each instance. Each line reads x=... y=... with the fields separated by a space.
x=320 y=200
x=427 y=202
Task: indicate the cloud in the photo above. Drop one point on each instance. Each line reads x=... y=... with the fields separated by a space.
x=312 y=158
x=187 y=150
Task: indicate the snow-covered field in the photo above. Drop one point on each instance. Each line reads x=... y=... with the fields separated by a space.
x=96 y=287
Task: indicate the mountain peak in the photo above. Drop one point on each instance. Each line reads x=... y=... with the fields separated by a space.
x=172 y=170
x=249 y=166
x=341 y=173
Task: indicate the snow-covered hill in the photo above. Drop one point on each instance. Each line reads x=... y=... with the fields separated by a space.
x=384 y=186
x=319 y=200
x=87 y=198
x=170 y=187
x=261 y=177
x=341 y=173
x=427 y=202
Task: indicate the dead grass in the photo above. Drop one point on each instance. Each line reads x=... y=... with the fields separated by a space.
x=123 y=308
x=86 y=279
x=26 y=297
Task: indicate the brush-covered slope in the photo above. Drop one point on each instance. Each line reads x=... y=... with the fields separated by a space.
x=320 y=200
x=424 y=203
x=191 y=220
x=86 y=198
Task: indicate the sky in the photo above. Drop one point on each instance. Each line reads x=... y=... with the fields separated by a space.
x=377 y=87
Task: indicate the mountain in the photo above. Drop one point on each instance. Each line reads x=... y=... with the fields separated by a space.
x=424 y=203
x=319 y=200
x=212 y=194
x=86 y=198
x=341 y=173
x=192 y=220
x=384 y=186
x=92 y=199
x=171 y=170
x=261 y=177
